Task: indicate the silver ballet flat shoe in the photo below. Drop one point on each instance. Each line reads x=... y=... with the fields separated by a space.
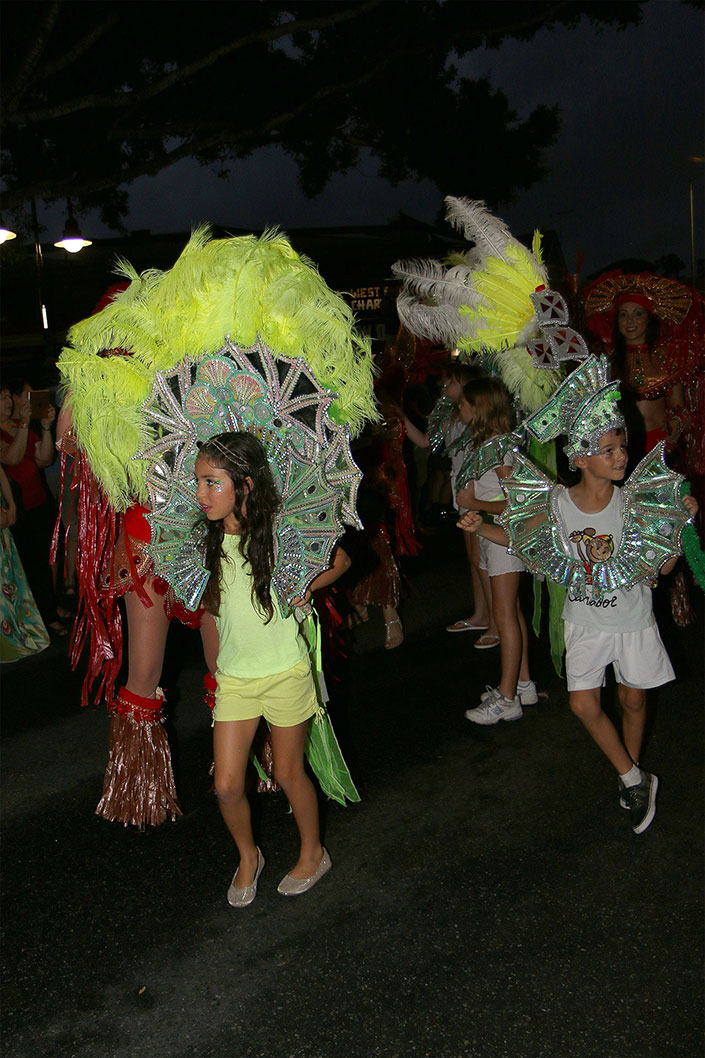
x=243 y=897
x=289 y=886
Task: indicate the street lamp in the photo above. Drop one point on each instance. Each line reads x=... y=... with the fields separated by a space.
x=73 y=240
x=5 y=233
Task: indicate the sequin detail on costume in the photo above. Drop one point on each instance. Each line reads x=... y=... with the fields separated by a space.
x=277 y=399
x=653 y=521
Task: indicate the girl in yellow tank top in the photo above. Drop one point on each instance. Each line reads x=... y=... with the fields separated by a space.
x=263 y=665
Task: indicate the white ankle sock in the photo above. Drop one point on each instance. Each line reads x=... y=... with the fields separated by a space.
x=524 y=684
x=631 y=777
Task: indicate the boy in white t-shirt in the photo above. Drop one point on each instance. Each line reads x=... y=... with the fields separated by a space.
x=617 y=628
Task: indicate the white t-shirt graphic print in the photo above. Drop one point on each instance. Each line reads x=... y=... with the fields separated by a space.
x=596 y=538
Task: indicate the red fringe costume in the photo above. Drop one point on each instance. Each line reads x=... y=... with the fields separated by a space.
x=139 y=786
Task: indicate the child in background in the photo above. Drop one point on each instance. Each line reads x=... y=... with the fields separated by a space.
x=622 y=630
x=482 y=618
x=263 y=664
x=485 y=405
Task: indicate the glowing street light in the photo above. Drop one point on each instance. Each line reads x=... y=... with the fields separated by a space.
x=72 y=240
x=5 y=233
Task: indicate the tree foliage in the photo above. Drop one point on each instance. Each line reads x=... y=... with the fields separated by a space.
x=96 y=95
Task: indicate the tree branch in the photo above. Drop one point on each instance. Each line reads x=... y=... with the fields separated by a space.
x=54 y=188
x=537 y=19
x=80 y=48
x=33 y=54
x=130 y=99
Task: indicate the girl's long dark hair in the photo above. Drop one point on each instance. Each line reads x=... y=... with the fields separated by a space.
x=242 y=456
x=493 y=408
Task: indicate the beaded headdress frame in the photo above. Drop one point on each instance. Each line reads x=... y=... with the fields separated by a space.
x=584 y=407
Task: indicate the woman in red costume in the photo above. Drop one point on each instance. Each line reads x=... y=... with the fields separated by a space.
x=132 y=792
x=653 y=329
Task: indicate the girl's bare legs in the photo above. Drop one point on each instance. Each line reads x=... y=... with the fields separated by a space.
x=505 y=590
x=147 y=628
x=633 y=702
x=288 y=750
x=231 y=748
x=481 y=613
x=524 y=674
x=587 y=708
x=486 y=586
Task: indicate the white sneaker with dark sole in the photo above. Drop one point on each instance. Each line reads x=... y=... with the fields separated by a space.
x=527 y=695
x=494 y=708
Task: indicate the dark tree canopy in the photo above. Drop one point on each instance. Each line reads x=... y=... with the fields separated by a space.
x=96 y=95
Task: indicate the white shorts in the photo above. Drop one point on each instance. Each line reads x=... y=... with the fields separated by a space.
x=497 y=560
x=639 y=659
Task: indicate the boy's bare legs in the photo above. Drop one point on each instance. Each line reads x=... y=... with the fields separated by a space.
x=633 y=702
x=587 y=708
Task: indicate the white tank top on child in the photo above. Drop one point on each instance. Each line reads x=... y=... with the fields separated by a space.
x=596 y=538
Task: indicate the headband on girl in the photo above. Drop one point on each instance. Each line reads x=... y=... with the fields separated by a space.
x=234 y=458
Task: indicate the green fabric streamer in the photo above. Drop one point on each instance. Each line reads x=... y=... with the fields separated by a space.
x=556 y=598
x=322 y=748
x=536 y=618
x=543 y=454
x=690 y=542
x=326 y=759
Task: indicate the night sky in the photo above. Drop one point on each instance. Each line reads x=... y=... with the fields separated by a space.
x=632 y=106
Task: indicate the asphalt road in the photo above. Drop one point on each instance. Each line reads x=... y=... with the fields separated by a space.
x=487 y=900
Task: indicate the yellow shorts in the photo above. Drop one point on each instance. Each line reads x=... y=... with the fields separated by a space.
x=284 y=700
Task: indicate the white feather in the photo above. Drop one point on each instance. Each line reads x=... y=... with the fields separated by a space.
x=432 y=281
x=439 y=323
x=490 y=234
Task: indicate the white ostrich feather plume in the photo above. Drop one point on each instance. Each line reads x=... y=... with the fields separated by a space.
x=434 y=283
x=441 y=324
x=490 y=234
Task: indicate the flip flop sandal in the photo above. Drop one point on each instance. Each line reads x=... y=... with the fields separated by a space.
x=486 y=642
x=465 y=625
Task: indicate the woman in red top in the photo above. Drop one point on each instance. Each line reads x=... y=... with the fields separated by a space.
x=653 y=328
x=23 y=453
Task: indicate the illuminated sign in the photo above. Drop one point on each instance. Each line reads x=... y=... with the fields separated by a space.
x=368 y=299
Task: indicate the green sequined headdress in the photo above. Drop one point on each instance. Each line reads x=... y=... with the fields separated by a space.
x=584 y=407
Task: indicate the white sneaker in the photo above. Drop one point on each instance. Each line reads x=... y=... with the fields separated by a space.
x=527 y=695
x=495 y=707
